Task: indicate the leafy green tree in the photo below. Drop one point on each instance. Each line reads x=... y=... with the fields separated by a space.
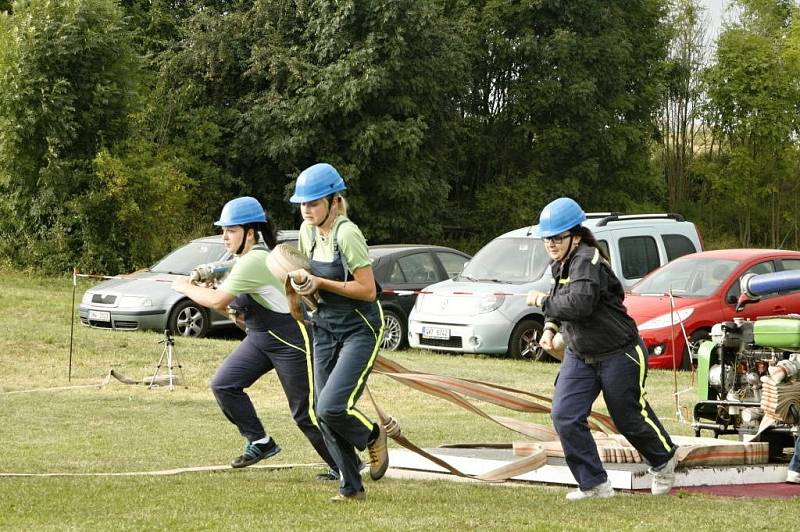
x=131 y=208
x=561 y=102
x=368 y=86
x=68 y=196
x=155 y=25
x=680 y=115
x=753 y=90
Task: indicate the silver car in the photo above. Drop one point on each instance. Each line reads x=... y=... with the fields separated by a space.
x=476 y=311
x=484 y=310
x=144 y=299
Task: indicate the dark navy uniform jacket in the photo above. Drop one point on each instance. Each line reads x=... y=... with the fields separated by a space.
x=586 y=302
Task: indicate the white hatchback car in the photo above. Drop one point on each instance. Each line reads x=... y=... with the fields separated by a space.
x=483 y=310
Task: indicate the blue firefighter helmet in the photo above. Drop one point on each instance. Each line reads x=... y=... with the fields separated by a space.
x=558 y=216
x=315 y=182
x=241 y=211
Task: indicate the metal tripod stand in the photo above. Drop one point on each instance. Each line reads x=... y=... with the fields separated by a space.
x=172 y=362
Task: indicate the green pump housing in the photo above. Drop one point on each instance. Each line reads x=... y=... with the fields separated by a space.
x=704 y=354
x=783 y=332
x=779 y=332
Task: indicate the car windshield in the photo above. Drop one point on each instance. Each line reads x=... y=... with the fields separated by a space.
x=689 y=277
x=508 y=260
x=182 y=260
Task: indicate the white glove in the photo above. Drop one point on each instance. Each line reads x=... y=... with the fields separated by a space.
x=303 y=282
x=535 y=298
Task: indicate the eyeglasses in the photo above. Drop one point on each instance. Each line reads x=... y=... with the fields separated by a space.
x=556 y=239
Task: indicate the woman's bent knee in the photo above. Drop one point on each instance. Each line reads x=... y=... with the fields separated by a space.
x=564 y=420
x=330 y=415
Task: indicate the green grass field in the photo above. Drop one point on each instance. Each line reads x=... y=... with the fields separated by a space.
x=90 y=437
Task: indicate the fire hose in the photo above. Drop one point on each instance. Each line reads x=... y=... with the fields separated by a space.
x=455 y=390
x=458 y=390
x=612 y=447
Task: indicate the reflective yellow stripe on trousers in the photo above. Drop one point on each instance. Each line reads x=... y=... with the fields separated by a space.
x=643 y=402
x=309 y=367
x=378 y=337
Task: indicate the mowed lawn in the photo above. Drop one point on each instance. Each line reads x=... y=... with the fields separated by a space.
x=92 y=438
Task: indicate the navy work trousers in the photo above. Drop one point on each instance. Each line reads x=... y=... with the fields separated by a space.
x=621 y=378
x=794 y=463
x=342 y=363
x=259 y=353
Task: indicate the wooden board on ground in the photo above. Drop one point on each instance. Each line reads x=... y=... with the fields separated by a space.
x=706 y=461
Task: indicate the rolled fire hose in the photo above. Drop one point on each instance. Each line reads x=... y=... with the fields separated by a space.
x=782 y=370
x=285 y=258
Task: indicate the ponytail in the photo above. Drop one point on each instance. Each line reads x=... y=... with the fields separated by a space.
x=266 y=230
x=341 y=205
x=587 y=236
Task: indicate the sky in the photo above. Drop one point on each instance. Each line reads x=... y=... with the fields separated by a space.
x=715 y=10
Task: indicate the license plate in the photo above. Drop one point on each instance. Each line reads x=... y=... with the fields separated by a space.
x=99 y=315
x=439 y=333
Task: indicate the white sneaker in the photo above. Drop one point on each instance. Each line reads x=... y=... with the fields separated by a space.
x=601 y=491
x=792 y=476
x=663 y=477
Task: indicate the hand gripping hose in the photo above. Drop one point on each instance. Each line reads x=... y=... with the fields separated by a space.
x=285 y=258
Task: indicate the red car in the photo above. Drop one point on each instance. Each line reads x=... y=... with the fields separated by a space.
x=704 y=288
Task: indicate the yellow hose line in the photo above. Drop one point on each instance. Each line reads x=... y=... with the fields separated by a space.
x=163 y=472
x=54 y=389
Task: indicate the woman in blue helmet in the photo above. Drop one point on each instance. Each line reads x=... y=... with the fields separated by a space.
x=604 y=353
x=274 y=339
x=348 y=324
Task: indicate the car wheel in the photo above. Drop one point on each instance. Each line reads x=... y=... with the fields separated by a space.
x=524 y=342
x=189 y=319
x=695 y=338
x=394 y=330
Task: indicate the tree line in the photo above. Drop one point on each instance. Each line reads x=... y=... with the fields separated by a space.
x=125 y=126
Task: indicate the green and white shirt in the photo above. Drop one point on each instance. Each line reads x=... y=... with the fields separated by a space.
x=250 y=275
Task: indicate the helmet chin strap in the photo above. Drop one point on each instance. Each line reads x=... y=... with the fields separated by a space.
x=242 y=244
x=569 y=249
x=328 y=215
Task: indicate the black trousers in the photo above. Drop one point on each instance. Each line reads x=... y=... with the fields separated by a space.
x=259 y=353
x=621 y=379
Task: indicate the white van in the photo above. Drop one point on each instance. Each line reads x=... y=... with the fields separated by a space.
x=483 y=309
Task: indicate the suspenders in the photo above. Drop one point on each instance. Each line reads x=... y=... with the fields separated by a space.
x=335 y=233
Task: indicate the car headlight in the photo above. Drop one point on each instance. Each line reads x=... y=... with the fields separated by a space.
x=665 y=320
x=490 y=302
x=418 y=302
x=134 y=301
x=87 y=298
